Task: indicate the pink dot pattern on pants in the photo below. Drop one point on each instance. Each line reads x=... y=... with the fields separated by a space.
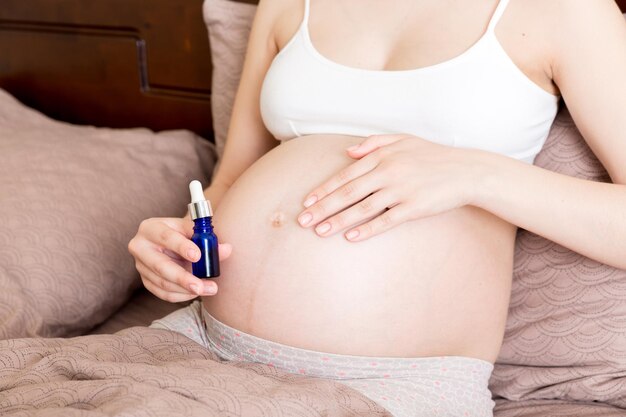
x=449 y=386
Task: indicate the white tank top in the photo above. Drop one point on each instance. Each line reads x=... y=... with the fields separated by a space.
x=478 y=99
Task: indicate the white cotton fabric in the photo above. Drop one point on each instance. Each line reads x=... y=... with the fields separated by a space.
x=478 y=99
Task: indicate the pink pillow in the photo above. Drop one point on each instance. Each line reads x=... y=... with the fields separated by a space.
x=71 y=197
x=566 y=330
x=228 y=24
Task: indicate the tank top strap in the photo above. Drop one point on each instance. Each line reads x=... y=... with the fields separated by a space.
x=496 y=15
x=305 y=19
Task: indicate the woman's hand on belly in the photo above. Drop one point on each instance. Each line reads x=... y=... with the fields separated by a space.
x=435 y=286
x=397 y=178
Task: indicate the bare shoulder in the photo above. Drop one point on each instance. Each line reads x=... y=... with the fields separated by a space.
x=585 y=29
x=289 y=15
x=271 y=14
x=564 y=22
x=558 y=12
x=277 y=7
x=539 y=33
x=588 y=11
x=589 y=66
x=527 y=32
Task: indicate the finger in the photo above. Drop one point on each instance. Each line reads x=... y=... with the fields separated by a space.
x=164 y=267
x=172 y=297
x=224 y=250
x=347 y=174
x=175 y=257
x=338 y=200
x=169 y=235
x=183 y=225
x=390 y=218
x=365 y=209
x=168 y=286
x=372 y=143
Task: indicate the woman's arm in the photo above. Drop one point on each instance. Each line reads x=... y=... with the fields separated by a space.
x=162 y=247
x=401 y=177
x=589 y=66
x=248 y=139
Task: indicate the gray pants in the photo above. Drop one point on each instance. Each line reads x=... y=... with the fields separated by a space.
x=452 y=386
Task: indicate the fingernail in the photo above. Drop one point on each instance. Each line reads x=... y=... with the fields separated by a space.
x=305 y=219
x=209 y=290
x=310 y=201
x=353 y=148
x=352 y=234
x=192 y=254
x=323 y=228
x=194 y=288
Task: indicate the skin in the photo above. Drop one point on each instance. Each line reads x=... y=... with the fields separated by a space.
x=575 y=47
x=521 y=194
x=438 y=286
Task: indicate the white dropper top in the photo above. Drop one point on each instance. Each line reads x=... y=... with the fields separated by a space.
x=199 y=207
x=197 y=192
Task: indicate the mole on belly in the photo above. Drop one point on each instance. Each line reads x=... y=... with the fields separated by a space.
x=277 y=219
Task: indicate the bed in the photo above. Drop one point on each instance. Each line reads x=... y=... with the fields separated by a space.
x=107 y=110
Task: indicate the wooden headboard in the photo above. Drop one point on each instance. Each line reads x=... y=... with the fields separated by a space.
x=117 y=63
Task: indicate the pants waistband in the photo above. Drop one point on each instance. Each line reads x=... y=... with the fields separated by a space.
x=232 y=344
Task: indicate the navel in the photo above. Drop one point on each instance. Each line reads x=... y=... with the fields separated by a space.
x=277 y=219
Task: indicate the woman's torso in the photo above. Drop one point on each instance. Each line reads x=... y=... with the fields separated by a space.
x=435 y=286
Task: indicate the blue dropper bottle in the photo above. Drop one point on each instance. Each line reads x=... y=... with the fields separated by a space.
x=203 y=236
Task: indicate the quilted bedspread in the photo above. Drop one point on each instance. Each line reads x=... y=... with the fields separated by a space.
x=150 y=372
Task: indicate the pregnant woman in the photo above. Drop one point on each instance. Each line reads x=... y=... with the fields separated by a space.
x=387 y=266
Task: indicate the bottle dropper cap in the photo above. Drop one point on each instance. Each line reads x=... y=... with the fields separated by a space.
x=199 y=207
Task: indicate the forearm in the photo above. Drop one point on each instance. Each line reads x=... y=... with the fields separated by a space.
x=585 y=216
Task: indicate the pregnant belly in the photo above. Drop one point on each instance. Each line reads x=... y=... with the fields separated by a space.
x=428 y=287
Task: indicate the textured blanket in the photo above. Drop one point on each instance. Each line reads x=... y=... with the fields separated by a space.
x=143 y=372
x=150 y=372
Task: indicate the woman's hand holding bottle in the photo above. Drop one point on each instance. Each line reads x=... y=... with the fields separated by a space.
x=163 y=253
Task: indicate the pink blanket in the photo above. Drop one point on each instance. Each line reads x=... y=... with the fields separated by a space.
x=149 y=372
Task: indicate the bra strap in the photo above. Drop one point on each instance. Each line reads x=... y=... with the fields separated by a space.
x=496 y=15
x=305 y=19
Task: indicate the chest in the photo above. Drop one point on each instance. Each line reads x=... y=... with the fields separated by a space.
x=400 y=35
x=479 y=98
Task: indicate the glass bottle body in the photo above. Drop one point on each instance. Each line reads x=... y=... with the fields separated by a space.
x=203 y=236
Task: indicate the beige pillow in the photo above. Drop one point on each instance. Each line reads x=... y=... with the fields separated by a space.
x=228 y=24
x=71 y=198
x=566 y=330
